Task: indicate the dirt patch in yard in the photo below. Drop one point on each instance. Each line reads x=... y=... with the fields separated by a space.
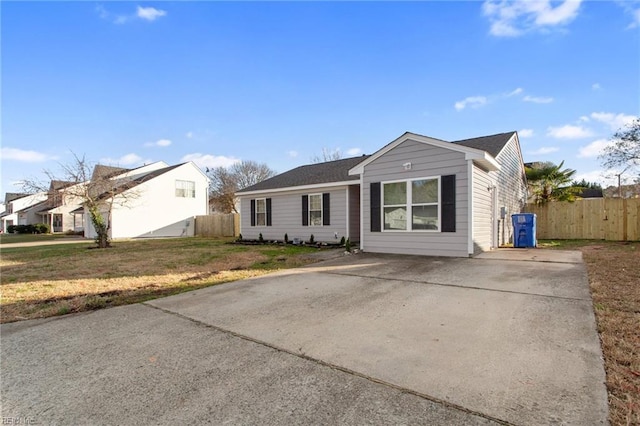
x=614 y=277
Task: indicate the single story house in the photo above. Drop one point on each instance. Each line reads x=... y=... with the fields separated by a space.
x=416 y=195
x=155 y=200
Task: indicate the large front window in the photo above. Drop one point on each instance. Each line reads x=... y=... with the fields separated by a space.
x=315 y=210
x=411 y=205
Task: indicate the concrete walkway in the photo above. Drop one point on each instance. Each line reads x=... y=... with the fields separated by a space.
x=360 y=339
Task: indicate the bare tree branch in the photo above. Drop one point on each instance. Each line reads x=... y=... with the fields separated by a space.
x=225 y=182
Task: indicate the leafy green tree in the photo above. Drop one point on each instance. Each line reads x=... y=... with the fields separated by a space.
x=586 y=184
x=550 y=182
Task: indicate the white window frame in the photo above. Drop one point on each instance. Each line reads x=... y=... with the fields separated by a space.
x=409 y=205
x=309 y=209
x=257 y=212
x=185 y=188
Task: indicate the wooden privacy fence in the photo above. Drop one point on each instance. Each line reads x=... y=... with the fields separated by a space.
x=218 y=225
x=613 y=219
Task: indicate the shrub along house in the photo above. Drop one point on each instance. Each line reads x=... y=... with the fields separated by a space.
x=416 y=195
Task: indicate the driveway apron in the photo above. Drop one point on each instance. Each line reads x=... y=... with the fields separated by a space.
x=511 y=339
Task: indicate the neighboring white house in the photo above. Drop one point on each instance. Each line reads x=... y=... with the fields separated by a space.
x=16 y=209
x=154 y=200
x=57 y=210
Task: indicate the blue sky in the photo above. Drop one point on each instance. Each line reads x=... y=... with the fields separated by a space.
x=125 y=83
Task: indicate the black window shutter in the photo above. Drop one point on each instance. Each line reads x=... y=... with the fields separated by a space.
x=448 y=207
x=305 y=210
x=268 y=206
x=253 y=212
x=326 y=219
x=374 y=188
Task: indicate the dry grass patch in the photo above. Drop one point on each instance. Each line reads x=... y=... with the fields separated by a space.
x=614 y=277
x=39 y=282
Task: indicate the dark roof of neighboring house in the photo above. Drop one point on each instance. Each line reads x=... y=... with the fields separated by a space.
x=59 y=184
x=10 y=196
x=590 y=193
x=492 y=144
x=100 y=171
x=311 y=174
x=137 y=181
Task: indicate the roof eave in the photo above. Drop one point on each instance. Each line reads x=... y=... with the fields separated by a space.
x=484 y=159
x=299 y=187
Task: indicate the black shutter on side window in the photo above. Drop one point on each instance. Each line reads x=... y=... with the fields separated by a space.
x=305 y=210
x=326 y=219
x=253 y=212
x=374 y=189
x=268 y=206
x=448 y=208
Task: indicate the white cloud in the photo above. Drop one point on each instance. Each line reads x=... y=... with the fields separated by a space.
x=515 y=92
x=596 y=86
x=161 y=142
x=354 y=151
x=471 y=102
x=292 y=154
x=26 y=156
x=525 y=133
x=189 y=135
x=149 y=13
x=614 y=121
x=631 y=8
x=211 y=161
x=569 y=132
x=126 y=160
x=511 y=18
x=594 y=149
x=145 y=13
x=544 y=150
x=584 y=118
x=538 y=99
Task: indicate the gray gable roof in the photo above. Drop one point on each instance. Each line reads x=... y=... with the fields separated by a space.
x=137 y=181
x=311 y=174
x=491 y=144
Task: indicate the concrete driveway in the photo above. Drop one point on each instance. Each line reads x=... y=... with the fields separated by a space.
x=505 y=338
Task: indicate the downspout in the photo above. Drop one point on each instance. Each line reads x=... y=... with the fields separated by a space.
x=470 y=208
x=362 y=210
x=347 y=231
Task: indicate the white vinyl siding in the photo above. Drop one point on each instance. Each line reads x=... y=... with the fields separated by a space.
x=512 y=187
x=286 y=217
x=426 y=160
x=482 y=217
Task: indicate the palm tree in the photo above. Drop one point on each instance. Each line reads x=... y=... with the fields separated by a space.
x=549 y=182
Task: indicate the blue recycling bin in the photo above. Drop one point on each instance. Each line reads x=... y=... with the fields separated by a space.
x=524 y=230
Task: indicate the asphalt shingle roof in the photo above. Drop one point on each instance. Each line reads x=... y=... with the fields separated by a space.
x=338 y=171
x=311 y=174
x=491 y=144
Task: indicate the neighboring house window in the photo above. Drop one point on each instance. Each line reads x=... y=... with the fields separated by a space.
x=261 y=212
x=185 y=189
x=316 y=210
